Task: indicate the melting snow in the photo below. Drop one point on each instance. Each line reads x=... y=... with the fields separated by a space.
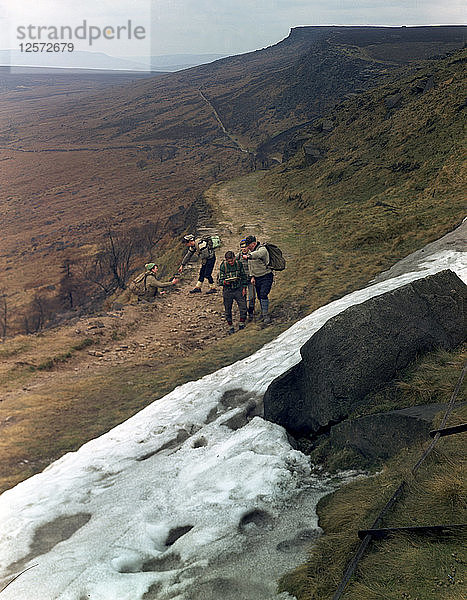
x=160 y=506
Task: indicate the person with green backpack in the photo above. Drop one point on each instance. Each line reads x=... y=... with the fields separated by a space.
x=204 y=248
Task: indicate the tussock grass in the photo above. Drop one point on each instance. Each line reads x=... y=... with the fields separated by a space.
x=52 y=362
x=420 y=567
x=14 y=347
x=75 y=409
x=431 y=379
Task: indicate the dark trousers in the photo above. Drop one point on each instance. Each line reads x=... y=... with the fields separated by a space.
x=229 y=296
x=263 y=285
x=206 y=270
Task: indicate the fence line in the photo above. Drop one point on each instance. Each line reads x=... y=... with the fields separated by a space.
x=368 y=537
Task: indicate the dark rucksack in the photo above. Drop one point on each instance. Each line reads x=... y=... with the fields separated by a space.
x=276 y=260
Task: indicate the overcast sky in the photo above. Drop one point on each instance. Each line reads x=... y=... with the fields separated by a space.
x=218 y=26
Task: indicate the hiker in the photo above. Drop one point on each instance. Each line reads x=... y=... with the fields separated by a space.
x=251 y=295
x=146 y=285
x=207 y=255
x=261 y=274
x=234 y=282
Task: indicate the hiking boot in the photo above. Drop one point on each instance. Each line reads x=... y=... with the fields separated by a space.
x=211 y=291
x=241 y=326
x=250 y=317
x=266 y=319
x=231 y=330
x=195 y=290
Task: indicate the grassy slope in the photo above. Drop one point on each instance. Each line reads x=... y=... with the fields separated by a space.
x=390 y=182
x=411 y=567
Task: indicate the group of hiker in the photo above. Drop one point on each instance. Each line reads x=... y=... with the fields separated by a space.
x=243 y=276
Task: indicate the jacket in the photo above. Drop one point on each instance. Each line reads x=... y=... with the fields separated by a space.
x=201 y=248
x=152 y=286
x=233 y=276
x=258 y=260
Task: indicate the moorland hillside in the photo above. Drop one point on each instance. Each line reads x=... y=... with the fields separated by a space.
x=132 y=160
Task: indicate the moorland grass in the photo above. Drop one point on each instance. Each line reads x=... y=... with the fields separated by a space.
x=403 y=566
x=62 y=417
x=390 y=182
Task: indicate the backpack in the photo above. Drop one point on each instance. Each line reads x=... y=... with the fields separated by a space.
x=213 y=241
x=138 y=285
x=276 y=260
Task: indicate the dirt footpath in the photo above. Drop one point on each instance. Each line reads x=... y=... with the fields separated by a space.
x=174 y=325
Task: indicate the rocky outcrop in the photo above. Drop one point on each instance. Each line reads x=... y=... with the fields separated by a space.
x=312 y=154
x=382 y=435
x=362 y=348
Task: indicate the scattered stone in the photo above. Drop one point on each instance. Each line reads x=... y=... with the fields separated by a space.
x=392 y=101
x=312 y=154
x=96 y=325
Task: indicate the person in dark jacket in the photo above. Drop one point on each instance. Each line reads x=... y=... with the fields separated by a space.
x=206 y=253
x=234 y=281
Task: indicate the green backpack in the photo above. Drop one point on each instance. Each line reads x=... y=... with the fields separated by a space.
x=213 y=241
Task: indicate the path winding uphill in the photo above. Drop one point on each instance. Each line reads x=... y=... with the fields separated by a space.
x=222 y=126
x=132 y=338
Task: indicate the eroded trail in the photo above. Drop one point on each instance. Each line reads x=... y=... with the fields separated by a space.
x=132 y=339
x=177 y=322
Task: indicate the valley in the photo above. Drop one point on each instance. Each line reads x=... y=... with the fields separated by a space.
x=344 y=146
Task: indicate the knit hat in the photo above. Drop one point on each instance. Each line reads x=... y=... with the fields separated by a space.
x=243 y=243
x=149 y=266
x=189 y=238
x=250 y=239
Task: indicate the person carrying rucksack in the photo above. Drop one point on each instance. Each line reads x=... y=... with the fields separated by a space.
x=261 y=274
x=234 y=281
x=204 y=249
x=146 y=285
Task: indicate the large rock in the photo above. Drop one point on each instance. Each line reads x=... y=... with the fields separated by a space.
x=362 y=348
x=382 y=435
